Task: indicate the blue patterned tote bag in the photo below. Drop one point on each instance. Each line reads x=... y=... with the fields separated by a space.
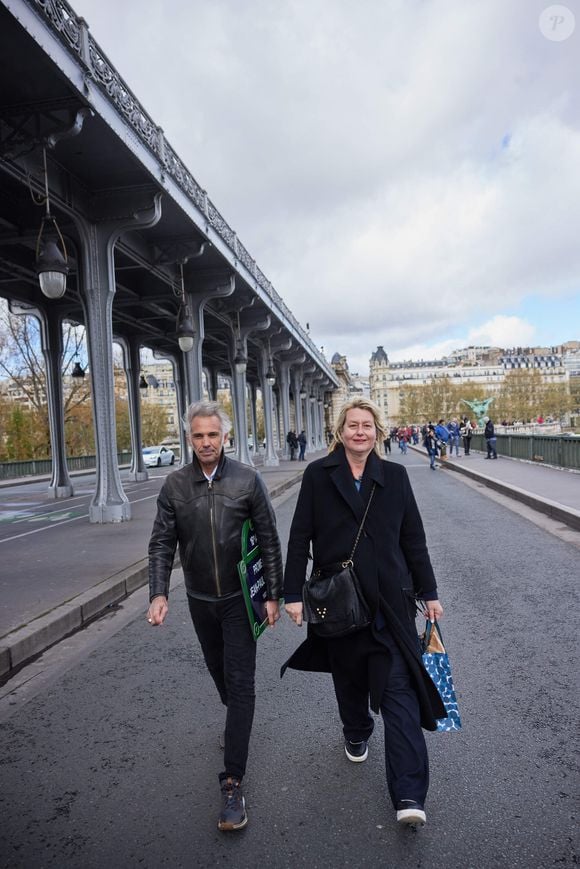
x=436 y=662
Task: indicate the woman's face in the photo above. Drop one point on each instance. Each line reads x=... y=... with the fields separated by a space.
x=359 y=433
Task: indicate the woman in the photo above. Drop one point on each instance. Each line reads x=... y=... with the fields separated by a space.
x=381 y=662
x=490 y=440
x=430 y=444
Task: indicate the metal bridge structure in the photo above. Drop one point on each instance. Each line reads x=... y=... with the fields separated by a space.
x=149 y=257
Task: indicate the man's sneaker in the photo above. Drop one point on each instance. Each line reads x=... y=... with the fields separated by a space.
x=233 y=814
x=356 y=751
x=410 y=812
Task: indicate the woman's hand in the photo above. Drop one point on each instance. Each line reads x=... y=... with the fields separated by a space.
x=434 y=610
x=294 y=610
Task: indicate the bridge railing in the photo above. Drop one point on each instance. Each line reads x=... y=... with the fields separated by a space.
x=562 y=451
x=41 y=467
x=74 y=33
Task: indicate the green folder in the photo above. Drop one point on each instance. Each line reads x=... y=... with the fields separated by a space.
x=251 y=572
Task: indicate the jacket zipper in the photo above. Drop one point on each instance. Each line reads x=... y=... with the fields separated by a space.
x=213 y=543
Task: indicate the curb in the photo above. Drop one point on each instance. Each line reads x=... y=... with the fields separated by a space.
x=20 y=646
x=568 y=515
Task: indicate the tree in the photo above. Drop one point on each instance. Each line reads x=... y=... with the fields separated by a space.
x=22 y=366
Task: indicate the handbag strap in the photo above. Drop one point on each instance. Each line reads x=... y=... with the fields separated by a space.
x=361 y=524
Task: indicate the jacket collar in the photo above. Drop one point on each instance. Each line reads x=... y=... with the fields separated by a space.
x=341 y=476
x=199 y=475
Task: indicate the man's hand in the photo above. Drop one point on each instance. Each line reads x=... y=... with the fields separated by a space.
x=294 y=610
x=272 y=611
x=434 y=610
x=157 y=611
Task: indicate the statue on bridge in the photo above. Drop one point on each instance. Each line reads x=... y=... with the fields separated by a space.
x=479 y=407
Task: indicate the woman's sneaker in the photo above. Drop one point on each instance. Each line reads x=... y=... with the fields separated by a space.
x=356 y=751
x=410 y=812
x=233 y=814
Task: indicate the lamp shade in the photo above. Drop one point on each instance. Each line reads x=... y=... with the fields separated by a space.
x=51 y=268
x=184 y=329
x=240 y=363
x=270 y=376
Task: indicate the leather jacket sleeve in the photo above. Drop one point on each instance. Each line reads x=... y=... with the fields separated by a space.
x=264 y=520
x=162 y=546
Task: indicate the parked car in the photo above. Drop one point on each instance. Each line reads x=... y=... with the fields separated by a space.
x=155 y=457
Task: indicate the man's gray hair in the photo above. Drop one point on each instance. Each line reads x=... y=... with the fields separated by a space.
x=207 y=408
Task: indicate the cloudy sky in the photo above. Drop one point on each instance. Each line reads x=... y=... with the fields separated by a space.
x=406 y=172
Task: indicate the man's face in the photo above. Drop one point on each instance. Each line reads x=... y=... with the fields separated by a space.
x=207 y=440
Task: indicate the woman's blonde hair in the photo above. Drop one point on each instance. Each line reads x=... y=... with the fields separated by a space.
x=359 y=403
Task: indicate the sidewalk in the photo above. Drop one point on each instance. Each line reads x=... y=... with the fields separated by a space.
x=552 y=491
x=54 y=583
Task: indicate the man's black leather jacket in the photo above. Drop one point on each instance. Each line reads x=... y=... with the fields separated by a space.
x=206 y=519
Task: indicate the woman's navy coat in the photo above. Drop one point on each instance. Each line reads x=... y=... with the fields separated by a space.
x=391 y=561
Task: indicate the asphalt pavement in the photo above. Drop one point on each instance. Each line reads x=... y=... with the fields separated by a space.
x=59 y=572
x=112 y=758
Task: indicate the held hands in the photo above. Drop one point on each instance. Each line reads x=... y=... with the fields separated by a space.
x=157 y=611
x=294 y=610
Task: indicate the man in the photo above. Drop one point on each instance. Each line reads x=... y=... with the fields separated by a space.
x=453 y=429
x=442 y=433
x=203 y=507
x=292 y=442
x=490 y=439
x=302 y=445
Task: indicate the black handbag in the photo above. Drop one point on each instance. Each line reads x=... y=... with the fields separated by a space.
x=332 y=598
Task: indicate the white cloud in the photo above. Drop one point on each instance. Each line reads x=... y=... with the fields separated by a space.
x=503 y=331
x=400 y=170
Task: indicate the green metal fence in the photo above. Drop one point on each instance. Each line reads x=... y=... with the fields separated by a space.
x=560 y=450
x=41 y=467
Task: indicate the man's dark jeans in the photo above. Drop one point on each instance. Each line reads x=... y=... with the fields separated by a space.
x=229 y=650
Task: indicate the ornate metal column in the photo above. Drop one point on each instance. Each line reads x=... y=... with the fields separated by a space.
x=238 y=357
x=132 y=364
x=307 y=384
x=212 y=381
x=50 y=322
x=286 y=360
x=206 y=288
x=179 y=375
x=297 y=374
x=253 y=390
x=264 y=367
x=109 y=503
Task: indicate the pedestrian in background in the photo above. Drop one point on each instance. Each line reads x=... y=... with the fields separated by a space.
x=490 y=440
x=202 y=507
x=442 y=437
x=466 y=432
x=453 y=429
x=380 y=664
x=302 y=445
x=387 y=442
x=430 y=443
x=292 y=442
